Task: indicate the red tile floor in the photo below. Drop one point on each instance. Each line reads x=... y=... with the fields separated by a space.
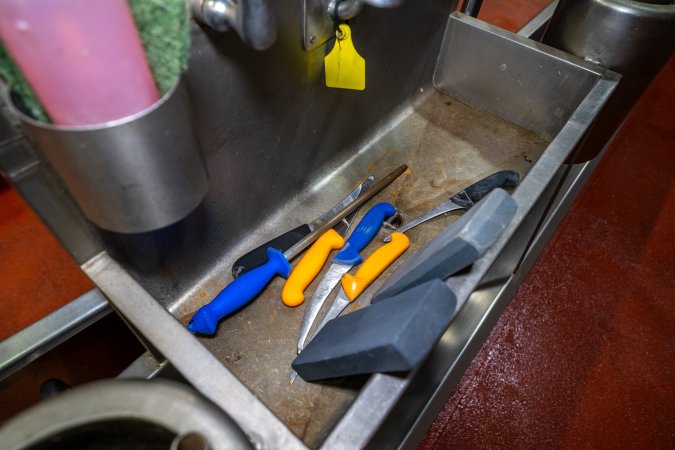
x=584 y=356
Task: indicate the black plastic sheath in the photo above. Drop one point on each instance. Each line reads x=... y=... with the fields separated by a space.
x=504 y=179
x=258 y=256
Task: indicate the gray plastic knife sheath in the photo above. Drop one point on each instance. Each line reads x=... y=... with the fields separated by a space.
x=455 y=248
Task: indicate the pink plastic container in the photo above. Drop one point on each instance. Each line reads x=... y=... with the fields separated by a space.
x=83 y=58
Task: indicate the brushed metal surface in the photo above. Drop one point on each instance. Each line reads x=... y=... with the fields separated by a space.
x=285 y=148
x=193 y=361
x=633 y=38
x=448 y=145
x=555 y=82
x=277 y=142
x=412 y=401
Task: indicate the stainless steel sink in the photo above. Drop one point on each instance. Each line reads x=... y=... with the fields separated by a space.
x=456 y=102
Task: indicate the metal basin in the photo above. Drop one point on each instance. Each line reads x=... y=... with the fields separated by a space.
x=457 y=102
x=497 y=101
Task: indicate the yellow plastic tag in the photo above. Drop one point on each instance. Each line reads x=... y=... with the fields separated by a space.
x=345 y=68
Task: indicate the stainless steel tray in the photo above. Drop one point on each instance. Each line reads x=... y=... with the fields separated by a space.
x=446 y=145
x=500 y=101
x=496 y=101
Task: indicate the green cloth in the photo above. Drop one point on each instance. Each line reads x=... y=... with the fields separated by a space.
x=14 y=78
x=164 y=28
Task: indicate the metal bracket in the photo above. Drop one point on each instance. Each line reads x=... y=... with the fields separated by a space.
x=317 y=26
x=319 y=17
x=253 y=20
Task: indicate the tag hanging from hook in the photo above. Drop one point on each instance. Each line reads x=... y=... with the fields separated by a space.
x=345 y=68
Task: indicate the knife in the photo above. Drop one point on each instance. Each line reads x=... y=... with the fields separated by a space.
x=348 y=257
x=293 y=292
x=466 y=198
x=353 y=285
x=258 y=256
x=246 y=287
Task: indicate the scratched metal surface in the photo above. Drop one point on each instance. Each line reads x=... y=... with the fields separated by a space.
x=447 y=145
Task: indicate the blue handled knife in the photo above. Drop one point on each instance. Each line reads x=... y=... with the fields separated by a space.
x=258 y=255
x=347 y=258
x=247 y=286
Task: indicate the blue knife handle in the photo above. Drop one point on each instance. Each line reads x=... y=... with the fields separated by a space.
x=240 y=292
x=364 y=233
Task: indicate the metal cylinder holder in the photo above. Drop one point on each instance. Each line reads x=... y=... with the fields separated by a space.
x=634 y=38
x=125 y=414
x=131 y=175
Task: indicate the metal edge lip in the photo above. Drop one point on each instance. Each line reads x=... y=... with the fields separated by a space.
x=92 y=127
x=641 y=9
x=213 y=380
x=538 y=22
x=601 y=90
x=30 y=343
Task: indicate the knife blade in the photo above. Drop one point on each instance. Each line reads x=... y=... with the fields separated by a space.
x=258 y=255
x=466 y=198
x=353 y=285
x=246 y=287
x=348 y=257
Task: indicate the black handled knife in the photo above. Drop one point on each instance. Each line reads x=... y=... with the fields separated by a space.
x=258 y=256
x=466 y=198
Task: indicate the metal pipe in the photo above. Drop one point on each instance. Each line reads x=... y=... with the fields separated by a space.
x=344 y=9
x=348 y=9
x=253 y=20
x=471 y=7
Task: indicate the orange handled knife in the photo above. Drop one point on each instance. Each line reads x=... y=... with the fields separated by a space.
x=293 y=293
x=353 y=285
